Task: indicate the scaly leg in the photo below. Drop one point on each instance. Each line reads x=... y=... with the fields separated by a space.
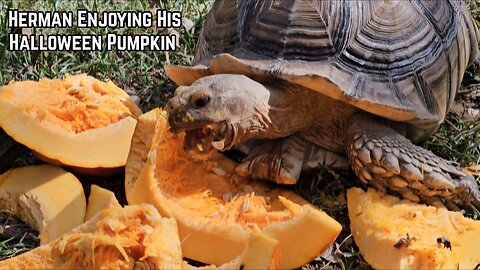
x=383 y=158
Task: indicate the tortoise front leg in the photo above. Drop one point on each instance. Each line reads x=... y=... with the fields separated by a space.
x=278 y=160
x=282 y=160
x=384 y=159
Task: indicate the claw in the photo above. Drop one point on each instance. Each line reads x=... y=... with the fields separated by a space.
x=409 y=195
x=435 y=202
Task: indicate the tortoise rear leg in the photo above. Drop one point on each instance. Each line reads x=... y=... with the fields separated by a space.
x=383 y=158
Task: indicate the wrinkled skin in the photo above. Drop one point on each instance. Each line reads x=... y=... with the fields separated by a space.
x=285 y=128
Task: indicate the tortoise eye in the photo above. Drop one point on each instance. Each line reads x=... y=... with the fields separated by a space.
x=199 y=100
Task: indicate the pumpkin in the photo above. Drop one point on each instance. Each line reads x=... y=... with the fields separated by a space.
x=116 y=238
x=134 y=237
x=100 y=199
x=45 y=197
x=79 y=122
x=399 y=234
x=215 y=210
x=262 y=252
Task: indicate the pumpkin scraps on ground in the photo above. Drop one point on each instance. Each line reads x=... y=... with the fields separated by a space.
x=179 y=207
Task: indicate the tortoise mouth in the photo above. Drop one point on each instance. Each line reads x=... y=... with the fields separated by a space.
x=201 y=141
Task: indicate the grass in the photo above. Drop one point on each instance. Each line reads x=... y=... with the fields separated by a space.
x=139 y=73
x=142 y=75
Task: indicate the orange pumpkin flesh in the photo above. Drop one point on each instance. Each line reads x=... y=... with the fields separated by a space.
x=79 y=121
x=215 y=210
x=399 y=234
x=115 y=238
x=134 y=237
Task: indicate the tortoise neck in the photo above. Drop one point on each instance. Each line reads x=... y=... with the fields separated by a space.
x=291 y=108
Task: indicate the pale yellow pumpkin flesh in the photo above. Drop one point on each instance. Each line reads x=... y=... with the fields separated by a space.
x=215 y=210
x=79 y=121
x=46 y=197
x=99 y=200
x=399 y=234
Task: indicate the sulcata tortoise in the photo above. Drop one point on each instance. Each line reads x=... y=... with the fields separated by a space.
x=297 y=84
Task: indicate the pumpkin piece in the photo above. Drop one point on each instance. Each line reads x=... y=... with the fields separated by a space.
x=79 y=121
x=262 y=252
x=215 y=210
x=116 y=238
x=46 y=197
x=100 y=199
x=399 y=234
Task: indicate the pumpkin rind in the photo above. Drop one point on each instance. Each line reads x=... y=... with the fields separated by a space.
x=380 y=223
x=46 y=197
x=45 y=131
x=214 y=228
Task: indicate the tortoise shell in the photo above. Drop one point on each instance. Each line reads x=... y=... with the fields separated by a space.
x=402 y=60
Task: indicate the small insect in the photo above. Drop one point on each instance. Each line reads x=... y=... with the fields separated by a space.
x=404 y=242
x=445 y=242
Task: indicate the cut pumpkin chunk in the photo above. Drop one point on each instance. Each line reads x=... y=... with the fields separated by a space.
x=399 y=234
x=262 y=252
x=215 y=210
x=134 y=237
x=100 y=199
x=46 y=197
x=79 y=121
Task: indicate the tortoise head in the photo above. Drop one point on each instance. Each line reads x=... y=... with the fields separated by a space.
x=219 y=111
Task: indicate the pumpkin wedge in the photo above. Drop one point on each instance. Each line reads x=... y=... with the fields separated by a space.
x=399 y=234
x=134 y=237
x=215 y=210
x=116 y=238
x=79 y=121
x=98 y=200
x=46 y=197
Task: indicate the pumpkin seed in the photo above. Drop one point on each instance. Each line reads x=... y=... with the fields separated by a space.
x=227 y=196
x=248 y=189
x=244 y=206
x=219 y=171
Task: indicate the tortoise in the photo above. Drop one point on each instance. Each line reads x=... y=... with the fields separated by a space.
x=299 y=84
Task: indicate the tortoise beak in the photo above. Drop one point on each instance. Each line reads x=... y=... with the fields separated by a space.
x=176 y=115
x=181 y=118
